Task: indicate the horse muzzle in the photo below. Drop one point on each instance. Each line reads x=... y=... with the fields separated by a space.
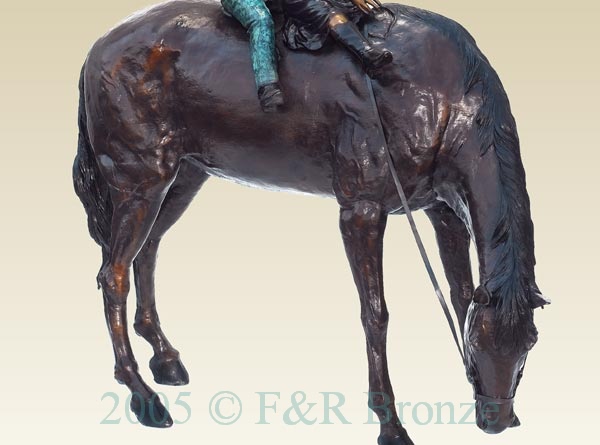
x=495 y=415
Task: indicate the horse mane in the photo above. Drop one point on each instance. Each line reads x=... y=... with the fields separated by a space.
x=512 y=282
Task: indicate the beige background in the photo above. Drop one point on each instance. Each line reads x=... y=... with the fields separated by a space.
x=253 y=286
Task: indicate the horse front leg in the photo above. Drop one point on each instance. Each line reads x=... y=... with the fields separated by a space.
x=362 y=226
x=453 y=241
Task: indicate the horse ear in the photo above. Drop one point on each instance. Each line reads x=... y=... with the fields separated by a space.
x=482 y=296
x=537 y=299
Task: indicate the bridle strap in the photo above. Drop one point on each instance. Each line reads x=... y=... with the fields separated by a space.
x=493 y=400
x=413 y=225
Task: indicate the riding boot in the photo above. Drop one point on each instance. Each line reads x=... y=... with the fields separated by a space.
x=371 y=57
x=271 y=98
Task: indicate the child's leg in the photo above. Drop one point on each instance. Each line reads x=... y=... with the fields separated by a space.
x=256 y=18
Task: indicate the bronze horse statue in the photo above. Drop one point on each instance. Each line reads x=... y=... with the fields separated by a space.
x=168 y=100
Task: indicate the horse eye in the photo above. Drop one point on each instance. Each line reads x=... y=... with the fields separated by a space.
x=531 y=341
x=475 y=343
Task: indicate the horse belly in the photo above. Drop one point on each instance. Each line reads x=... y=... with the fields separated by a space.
x=278 y=161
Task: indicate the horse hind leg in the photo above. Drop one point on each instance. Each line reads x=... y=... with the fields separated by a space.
x=134 y=213
x=165 y=365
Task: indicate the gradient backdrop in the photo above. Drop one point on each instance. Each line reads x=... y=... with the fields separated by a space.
x=253 y=286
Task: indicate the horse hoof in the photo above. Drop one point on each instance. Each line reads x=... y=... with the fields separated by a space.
x=401 y=439
x=169 y=371
x=150 y=412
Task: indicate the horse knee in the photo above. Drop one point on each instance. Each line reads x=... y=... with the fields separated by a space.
x=114 y=281
x=364 y=218
x=375 y=326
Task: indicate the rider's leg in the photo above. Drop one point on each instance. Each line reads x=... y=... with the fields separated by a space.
x=321 y=18
x=256 y=18
x=346 y=33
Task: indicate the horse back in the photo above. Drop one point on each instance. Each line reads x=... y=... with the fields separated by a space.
x=178 y=78
x=184 y=68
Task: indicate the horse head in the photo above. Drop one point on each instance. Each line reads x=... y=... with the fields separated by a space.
x=496 y=349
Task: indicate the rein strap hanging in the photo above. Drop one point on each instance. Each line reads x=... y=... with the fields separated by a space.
x=413 y=225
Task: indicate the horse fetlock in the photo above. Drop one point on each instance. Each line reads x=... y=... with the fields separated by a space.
x=382 y=404
x=126 y=372
x=146 y=323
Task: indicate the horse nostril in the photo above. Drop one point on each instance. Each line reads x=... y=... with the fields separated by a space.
x=482 y=423
x=516 y=422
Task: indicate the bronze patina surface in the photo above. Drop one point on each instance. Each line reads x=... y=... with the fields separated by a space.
x=168 y=100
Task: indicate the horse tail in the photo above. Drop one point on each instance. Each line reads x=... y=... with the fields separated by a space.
x=513 y=279
x=90 y=186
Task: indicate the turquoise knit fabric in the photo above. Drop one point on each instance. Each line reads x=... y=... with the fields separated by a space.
x=256 y=18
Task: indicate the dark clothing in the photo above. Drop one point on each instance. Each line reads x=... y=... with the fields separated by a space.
x=307 y=20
